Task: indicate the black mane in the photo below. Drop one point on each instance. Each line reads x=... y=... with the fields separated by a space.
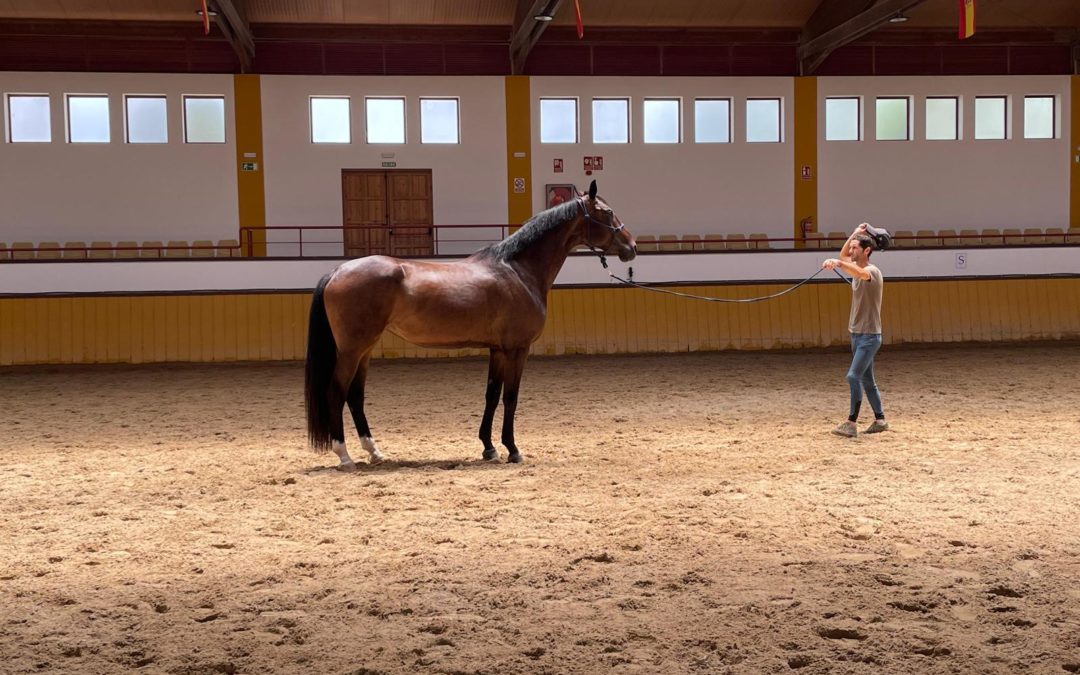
x=533 y=229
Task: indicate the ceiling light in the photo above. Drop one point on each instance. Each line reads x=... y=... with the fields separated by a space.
x=898 y=18
x=543 y=17
x=210 y=12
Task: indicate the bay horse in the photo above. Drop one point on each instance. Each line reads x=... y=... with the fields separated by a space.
x=495 y=298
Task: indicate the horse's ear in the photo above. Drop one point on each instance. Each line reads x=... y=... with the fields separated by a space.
x=592 y=191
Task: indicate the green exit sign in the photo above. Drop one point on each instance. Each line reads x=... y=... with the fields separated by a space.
x=389 y=165
x=249 y=166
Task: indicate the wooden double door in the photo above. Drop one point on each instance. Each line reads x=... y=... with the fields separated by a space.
x=387 y=212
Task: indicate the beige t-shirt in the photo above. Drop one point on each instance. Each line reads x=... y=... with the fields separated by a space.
x=866 y=302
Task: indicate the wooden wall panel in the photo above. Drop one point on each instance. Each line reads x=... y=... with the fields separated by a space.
x=273 y=326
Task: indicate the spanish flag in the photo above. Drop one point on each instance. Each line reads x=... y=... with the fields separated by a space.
x=580 y=26
x=967 y=18
x=205 y=18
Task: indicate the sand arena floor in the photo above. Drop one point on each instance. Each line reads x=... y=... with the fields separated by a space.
x=675 y=514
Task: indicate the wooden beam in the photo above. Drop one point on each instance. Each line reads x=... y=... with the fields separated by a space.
x=527 y=30
x=835 y=23
x=235 y=28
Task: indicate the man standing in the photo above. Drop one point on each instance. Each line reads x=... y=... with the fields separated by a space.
x=865 y=327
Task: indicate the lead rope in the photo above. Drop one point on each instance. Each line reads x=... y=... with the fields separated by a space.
x=645 y=287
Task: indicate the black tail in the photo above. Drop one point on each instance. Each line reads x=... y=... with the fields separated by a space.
x=319 y=372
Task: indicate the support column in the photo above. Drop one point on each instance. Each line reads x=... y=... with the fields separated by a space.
x=518 y=150
x=1074 y=155
x=806 y=170
x=250 y=164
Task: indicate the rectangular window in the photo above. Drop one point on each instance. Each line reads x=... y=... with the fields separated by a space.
x=763 y=120
x=712 y=120
x=611 y=120
x=204 y=119
x=842 y=119
x=893 y=119
x=146 y=119
x=439 y=121
x=663 y=121
x=385 y=120
x=330 y=119
x=942 y=118
x=1039 y=116
x=558 y=120
x=990 y=117
x=88 y=119
x=28 y=119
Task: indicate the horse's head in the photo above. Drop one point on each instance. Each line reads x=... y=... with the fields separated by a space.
x=603 y=231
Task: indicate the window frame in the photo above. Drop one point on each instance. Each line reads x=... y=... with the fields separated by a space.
x=629 y=120
x=957 y=118
x=184 y=116
x=907 y=118
x=457 y=119
x=67 y=118
x=404 y=120
x=9 y=121
x=678 y=119
x=1053 y=117
x=1005 y=114
x=779 y=118
x=127 y=124
x=730 y=119
x=577 y=119
x=859 y=119
x=311 y=119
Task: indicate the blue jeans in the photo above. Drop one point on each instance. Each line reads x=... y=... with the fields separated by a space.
x=860 y=376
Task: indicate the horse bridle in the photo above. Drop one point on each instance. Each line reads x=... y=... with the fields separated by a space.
x=589 y=220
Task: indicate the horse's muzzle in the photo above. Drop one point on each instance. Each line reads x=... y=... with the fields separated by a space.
x=627 y=254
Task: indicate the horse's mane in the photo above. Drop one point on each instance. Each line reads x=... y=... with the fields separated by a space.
x=533 y=229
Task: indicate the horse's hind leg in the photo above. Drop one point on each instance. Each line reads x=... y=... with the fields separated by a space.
x=491 y=401
x=355 y=398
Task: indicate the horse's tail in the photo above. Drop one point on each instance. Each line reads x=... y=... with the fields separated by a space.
x=319 y=370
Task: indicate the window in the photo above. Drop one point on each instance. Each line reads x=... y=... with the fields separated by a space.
x=942 y=118
x=146 y=119
x=762 y=120
x=385 y=120
x=1039 y=116
x=893 y=119
x=204 y=119
x=330 y=120
x=712 y=120
x=842 y=121
x=611 y=120
x=88 y=119
x=989 y=117
x=663 y=121
x=28 y=119
x=439 y=120
x=558 y=120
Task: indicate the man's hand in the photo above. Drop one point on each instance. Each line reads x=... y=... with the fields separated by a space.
x=861 y=228
x=830 y=264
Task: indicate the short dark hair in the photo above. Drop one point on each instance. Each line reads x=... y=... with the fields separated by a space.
x=865 y=241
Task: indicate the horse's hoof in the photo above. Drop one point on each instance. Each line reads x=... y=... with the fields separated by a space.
x=347 y=467
x=376 y=459
x=491 y=454
x=514 y=458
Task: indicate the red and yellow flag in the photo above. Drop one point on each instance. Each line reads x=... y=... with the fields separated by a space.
x=580 y=26
x=205 y=18
x=967 y=18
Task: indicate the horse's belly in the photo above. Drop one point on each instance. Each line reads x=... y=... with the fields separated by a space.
x=455 y=334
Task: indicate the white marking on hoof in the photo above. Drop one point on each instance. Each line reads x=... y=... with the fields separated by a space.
x=374 y=456
x=343 y=456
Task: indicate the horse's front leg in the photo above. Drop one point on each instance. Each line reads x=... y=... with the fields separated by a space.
x=514 y=365
x=491 y=401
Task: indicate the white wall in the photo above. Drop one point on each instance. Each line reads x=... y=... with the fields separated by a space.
x=683 y=188
x=303 y=180
x=944 y=184
x=116 y=191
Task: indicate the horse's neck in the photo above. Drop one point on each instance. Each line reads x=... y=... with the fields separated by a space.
x=543 y=260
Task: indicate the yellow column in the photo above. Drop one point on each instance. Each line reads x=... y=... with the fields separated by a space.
x=518 y=150
x=806 y=173
x=1074 y=156
x=250 y=163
